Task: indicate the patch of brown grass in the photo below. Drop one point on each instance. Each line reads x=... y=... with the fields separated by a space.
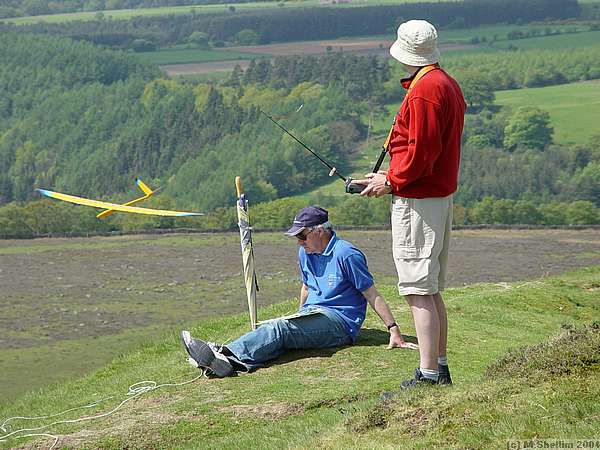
x=268 y=410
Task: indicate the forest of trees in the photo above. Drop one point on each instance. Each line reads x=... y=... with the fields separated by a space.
x=19 y=8
x=79 y=118
x=479 y=75
x=362 y=77
x=296 y=24
x=92 y=136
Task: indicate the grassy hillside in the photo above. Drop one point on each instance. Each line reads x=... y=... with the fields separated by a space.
x=574 y=108
x=330 y=399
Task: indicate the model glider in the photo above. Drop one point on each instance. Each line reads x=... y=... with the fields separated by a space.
x=126 y=207
x=147 y=194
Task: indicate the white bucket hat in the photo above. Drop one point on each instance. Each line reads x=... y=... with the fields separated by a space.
x=416 y=44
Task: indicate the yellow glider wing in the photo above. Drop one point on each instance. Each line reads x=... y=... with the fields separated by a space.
x=147 y=191
x=114 y=206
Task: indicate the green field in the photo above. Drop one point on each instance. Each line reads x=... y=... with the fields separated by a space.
x=329 y=399
x=574 y=108
x=569 y=40
x=193 y=55
x=125 y=14
x=464 y=35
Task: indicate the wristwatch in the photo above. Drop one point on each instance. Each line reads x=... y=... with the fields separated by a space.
x=392 y=325
x=388 y=184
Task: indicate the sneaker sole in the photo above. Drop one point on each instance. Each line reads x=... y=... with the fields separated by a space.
x=203 y=355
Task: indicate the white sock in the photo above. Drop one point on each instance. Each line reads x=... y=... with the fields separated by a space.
x=431 y=374
x=443 y=360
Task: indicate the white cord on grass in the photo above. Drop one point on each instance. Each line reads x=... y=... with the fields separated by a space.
x=134 y=391
x=4 y=428
x=41 y=434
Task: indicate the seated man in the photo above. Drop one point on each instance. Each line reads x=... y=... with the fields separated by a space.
x=336 y=286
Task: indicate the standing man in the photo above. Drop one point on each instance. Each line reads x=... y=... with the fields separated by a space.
x=336 y=287
x=424 y=147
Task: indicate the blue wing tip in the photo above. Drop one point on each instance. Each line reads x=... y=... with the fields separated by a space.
x=44 y=192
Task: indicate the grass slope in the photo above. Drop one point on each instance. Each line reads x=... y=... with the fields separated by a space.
x=329 y=399
x=574 y=108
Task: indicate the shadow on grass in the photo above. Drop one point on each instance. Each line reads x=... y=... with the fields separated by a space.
x=367 y=338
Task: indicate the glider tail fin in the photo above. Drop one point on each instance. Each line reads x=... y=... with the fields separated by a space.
x=144 y=187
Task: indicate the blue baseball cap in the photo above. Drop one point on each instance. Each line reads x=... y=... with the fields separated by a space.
x=308 y=217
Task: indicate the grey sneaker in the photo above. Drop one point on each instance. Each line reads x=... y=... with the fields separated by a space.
x=206 y=356
x=444 y=377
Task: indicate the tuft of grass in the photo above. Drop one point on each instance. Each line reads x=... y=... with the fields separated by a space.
x=574 y=351
x=377 y=416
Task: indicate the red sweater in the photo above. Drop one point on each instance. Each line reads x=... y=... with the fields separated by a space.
x=425 y=141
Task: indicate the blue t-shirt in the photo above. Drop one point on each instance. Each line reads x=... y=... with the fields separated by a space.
x=336 y=279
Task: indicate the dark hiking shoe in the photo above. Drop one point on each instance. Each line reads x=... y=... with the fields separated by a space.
x=206 y=357
x=444 y=377
x=417 y=380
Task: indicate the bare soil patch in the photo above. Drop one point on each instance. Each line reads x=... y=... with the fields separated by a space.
x=268 y=410
x=316 y=47
x=369 y=46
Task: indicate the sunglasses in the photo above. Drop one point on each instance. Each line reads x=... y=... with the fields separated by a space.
x=304 y=235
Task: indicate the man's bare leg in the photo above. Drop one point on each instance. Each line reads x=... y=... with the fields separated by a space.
x=441 y=311
x=427 y=324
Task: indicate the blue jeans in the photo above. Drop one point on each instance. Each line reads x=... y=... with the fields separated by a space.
x=273 y=338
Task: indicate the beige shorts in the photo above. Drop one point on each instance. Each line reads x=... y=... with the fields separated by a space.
x=420 y=239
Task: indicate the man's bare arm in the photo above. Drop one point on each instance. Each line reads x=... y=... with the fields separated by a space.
x=303 y=294
x=382 y=309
